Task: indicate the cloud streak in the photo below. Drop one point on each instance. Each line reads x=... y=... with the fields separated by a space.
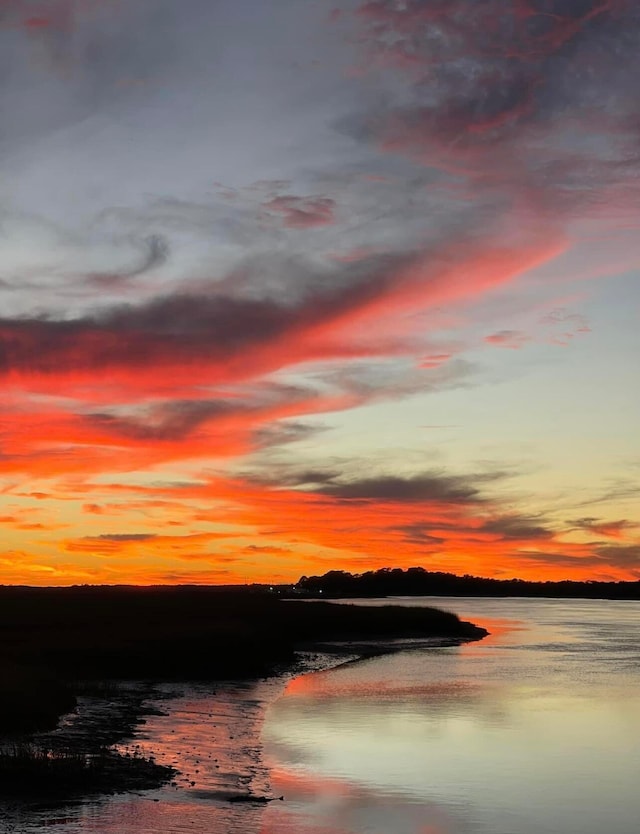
x=302 y=212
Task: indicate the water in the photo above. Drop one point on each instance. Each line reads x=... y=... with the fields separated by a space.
x=534 y=729
x=211 y=734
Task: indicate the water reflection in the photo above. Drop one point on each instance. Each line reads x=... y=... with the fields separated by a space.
x=212 y=736
x=532 y=730
x=331 y=806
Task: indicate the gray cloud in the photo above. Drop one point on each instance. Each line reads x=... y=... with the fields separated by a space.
x=532 y=103
x=419 y=534
x=155 y=254
x=285 y=432
x=516 y=527
x=367 y=380
x=504 y=528
x=428 y=487
x=171 y=420
x=557 y=558
x=423 y=487
x=124 y=537
x=625 y=557
x=183 y=327
x=621 y=489
x=302 y=212
x=613 y=529
x=621 y=555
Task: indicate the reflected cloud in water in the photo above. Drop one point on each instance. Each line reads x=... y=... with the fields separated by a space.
x=530 y=731
x=317 y=805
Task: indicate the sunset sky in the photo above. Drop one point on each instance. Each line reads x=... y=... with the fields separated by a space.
x=295 y=285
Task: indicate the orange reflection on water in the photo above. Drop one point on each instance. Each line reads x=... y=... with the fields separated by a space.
x=212 y=739
x=499 y=630
x=317 y=804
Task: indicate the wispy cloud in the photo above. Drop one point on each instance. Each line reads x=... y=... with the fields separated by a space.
x=302 y=212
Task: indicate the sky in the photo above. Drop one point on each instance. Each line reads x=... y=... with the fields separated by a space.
x=288 y=287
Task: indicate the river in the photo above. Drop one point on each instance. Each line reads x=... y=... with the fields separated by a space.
x=534 y=729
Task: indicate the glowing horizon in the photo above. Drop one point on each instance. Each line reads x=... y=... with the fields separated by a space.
x=291 y=287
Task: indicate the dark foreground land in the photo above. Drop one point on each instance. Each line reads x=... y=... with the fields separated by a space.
x=59 y=644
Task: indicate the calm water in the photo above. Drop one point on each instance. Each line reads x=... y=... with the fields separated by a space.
x=535 y=729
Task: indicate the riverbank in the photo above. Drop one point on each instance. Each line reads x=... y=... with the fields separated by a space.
x=80 y=646
x=78 y=757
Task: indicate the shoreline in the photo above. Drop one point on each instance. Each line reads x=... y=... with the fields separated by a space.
x=92 y=751
x=110 y=728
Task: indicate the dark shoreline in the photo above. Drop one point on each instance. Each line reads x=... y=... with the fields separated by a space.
x=64 y=647
x=77 y=759
x=416 y=581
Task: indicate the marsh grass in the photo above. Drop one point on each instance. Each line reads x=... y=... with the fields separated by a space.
x=31 y=770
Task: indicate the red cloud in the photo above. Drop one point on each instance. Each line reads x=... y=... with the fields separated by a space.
x=181 y=341
x=612 y=529
x=434 y=360
x=50 y=14
x=302 y=212
x=512 y=339
x=563 y=326
x=37 y=22
x=622 y=529
x=485 y=100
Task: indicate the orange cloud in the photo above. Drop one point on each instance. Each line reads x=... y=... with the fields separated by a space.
x=280 y=532
x=439 y=522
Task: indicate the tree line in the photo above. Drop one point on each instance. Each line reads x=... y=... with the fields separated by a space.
x=417 y=581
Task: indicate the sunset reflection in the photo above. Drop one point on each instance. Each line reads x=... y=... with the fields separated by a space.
x=317 y=805
x=494 y=737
